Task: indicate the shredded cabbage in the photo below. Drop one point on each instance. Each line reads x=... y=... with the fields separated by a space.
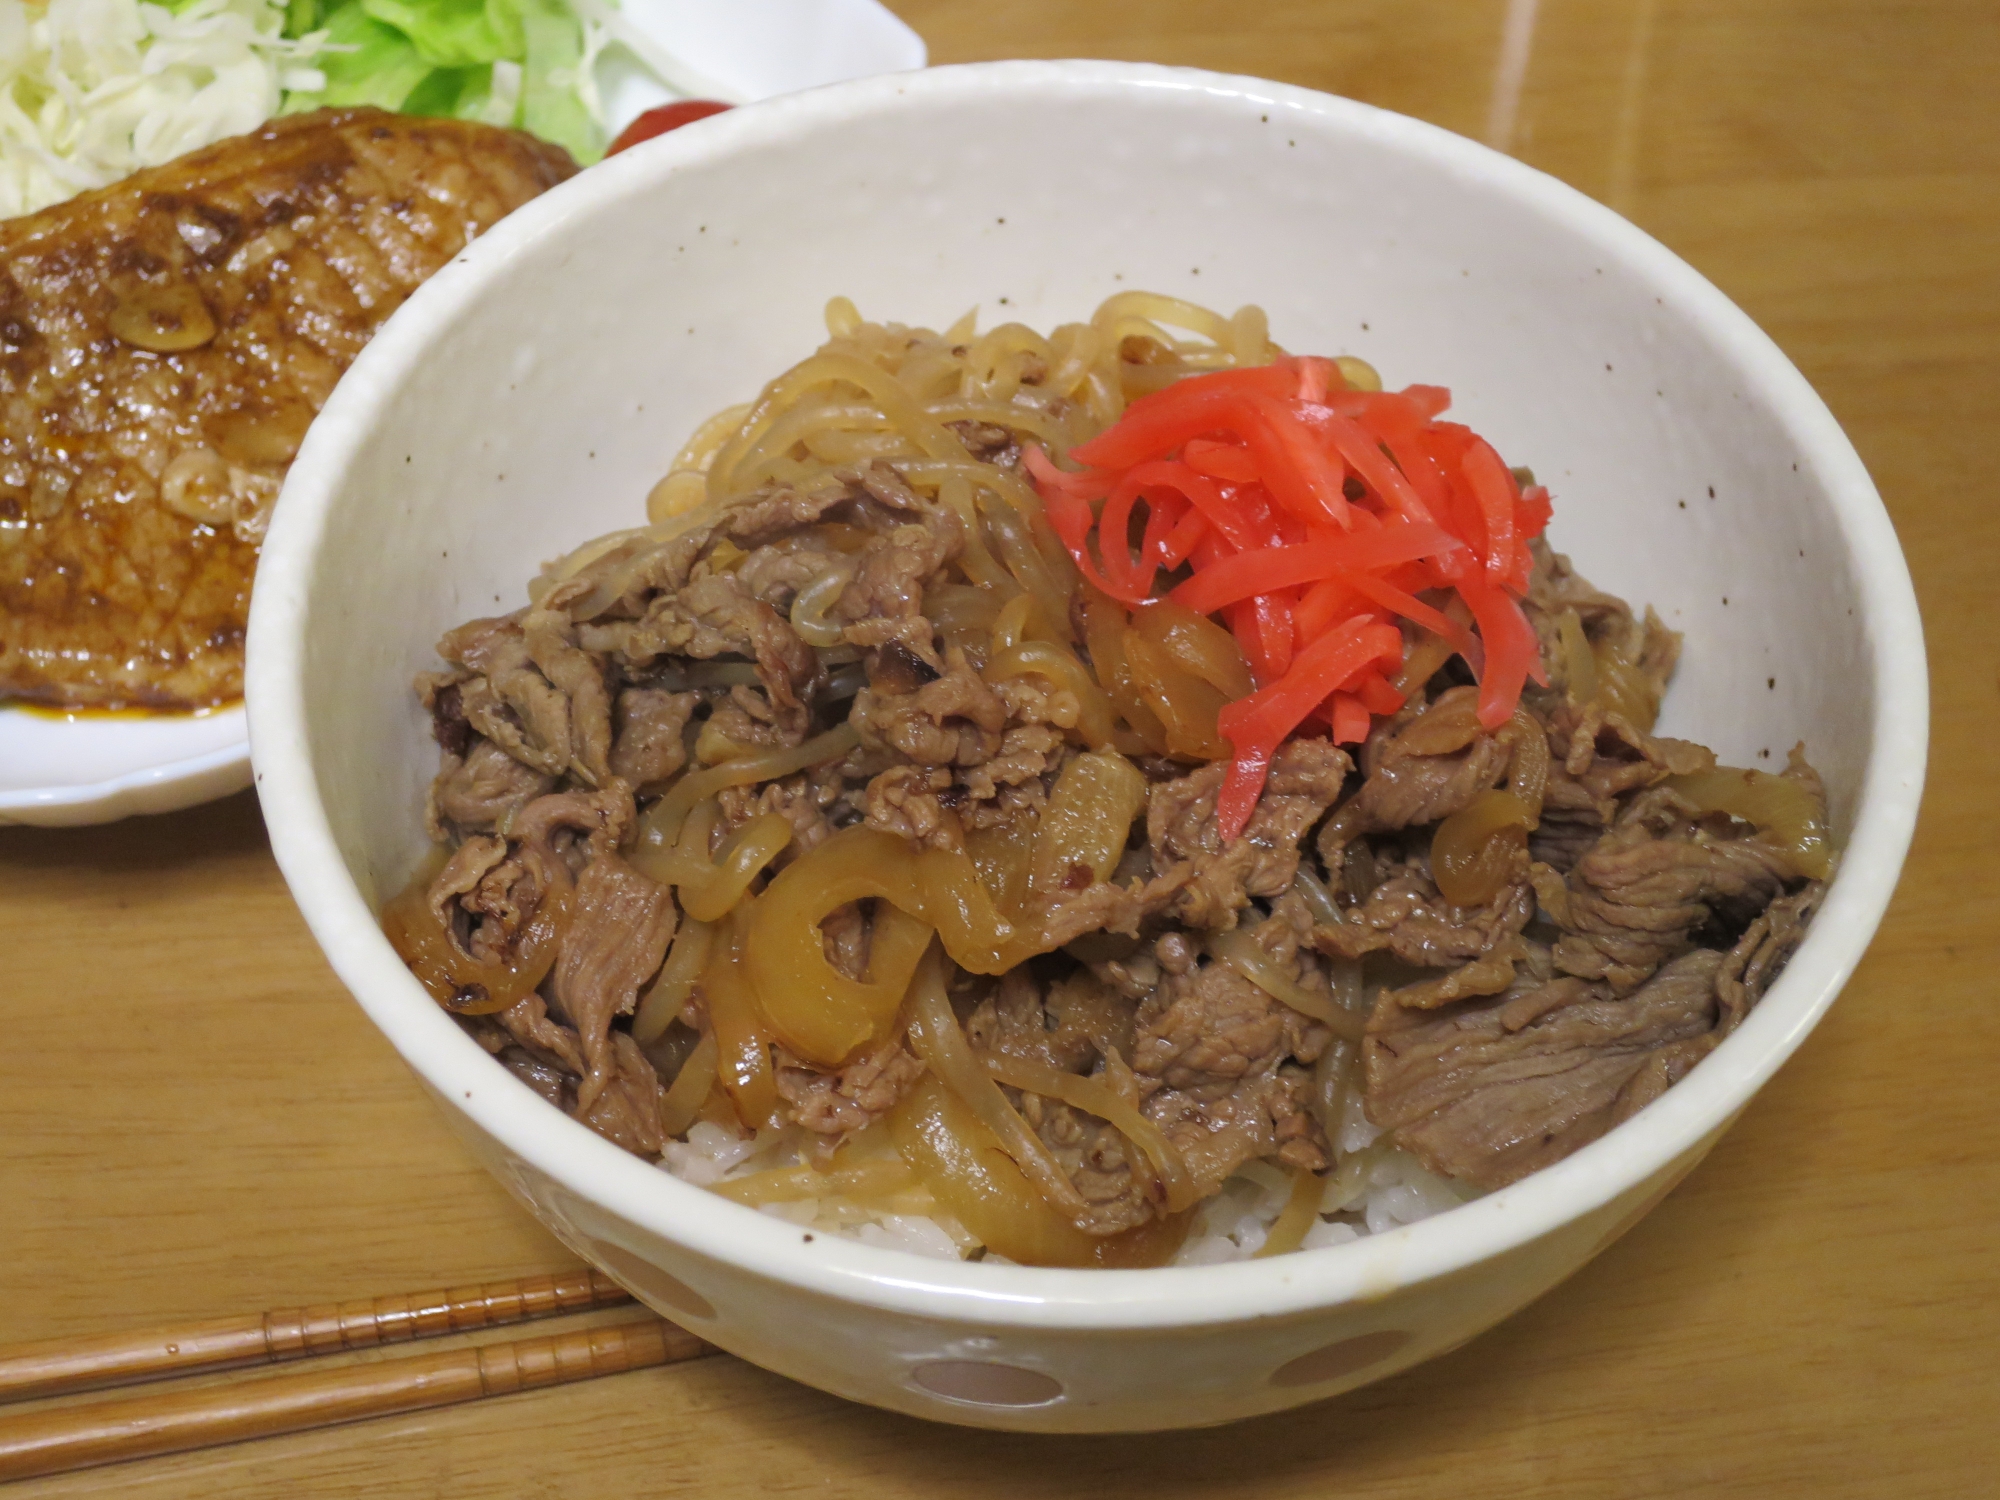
x=91 y=90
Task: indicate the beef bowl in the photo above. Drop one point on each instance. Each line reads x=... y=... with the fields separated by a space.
x=533 y=394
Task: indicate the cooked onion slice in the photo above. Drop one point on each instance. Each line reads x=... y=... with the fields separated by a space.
x=1095 y=1097
x=664 y=1002
x=1300 y=1213
x=939 y=1042
x=1475 y=849
x=660 y=825
x=691 y=1087
x=870 y=1180
x=1780 y=807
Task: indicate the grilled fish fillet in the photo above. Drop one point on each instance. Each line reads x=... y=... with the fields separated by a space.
x=164 y=343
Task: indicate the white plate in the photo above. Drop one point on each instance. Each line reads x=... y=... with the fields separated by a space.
x=61 y=771
x=58 y=770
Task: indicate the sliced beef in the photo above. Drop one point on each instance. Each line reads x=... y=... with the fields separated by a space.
x=1599 y=758
x=713 y=615
x=650 y=746
x=1069 y=1030
x=579 y=675
x=1652 y=886
x=1108 y=1170
x=1079 y=1027
x=1763 y=951
x=884 y=601
x=906 y=801
x=1217 y=1062
x=1490 y=1090
x=1211 y=883
x=1403 y=914
x=1422 y=767
x=954 y=719
x=503 y=695
x=838 y=1100
x=619 y=928
x=481 y=791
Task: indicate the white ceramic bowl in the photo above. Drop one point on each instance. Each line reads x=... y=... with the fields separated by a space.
x=528 y=396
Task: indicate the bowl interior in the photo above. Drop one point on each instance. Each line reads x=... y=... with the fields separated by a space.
x=528 y=398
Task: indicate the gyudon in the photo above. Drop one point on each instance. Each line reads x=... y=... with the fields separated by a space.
x=1098 y=799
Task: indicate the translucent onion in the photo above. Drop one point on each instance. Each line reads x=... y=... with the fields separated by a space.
x=1476 y=850
x=1241 y=952
x=978 y=561
x=743 y=1048
x=676 y=494
x=1781 y=808
x=1186 y=707
x=1198 y=644
x=888 y=393
x=741 y=859
x=1331 y=1082
x=1318 y=899
x=882 y=1178
x=700 y=450
x=660 y=824
x=1018 y=416
x=1086 y=822
x=1141 y=312
x=817 y=1011
x=957 y=608
x=1300 y=1213
x=1095 y=1097
x=681 y=1105
x=1003 y=855
x=1358 y=373
x=938 y=1041
x=936 y=888
x=843 y=318
x=1104 y=632
x=979 y=1185
x=806 y=421
x=834 y=446
x=1448 y=725
x=810 y=604
x=1016 y=543
x=662 y=1004
x=1421 y=660
x=1579 y=661
x=420 y=940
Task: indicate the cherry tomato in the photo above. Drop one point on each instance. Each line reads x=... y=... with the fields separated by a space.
x=667 y=117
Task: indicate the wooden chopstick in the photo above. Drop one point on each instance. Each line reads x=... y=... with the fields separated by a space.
x=55 y=1366
x=173 y=1421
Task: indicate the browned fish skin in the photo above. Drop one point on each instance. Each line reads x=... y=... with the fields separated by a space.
x=135 y=482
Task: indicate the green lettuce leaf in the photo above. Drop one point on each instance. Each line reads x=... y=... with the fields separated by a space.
x=382 y=68
x=446 y=33
x=506 y=62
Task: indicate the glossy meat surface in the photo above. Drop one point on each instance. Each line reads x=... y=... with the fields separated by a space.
x=164 y=344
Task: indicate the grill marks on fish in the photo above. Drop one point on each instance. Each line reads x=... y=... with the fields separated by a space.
x=164 y=344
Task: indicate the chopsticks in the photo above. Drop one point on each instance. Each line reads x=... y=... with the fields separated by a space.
x=79 y=1436
x=56 y=1366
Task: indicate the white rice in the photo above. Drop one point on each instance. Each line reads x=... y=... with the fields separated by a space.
x=1373 y=1188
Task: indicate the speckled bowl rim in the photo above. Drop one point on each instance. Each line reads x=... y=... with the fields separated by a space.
x=1364 y=1269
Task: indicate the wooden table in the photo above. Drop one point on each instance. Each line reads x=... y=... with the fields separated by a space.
x=194 y=1119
